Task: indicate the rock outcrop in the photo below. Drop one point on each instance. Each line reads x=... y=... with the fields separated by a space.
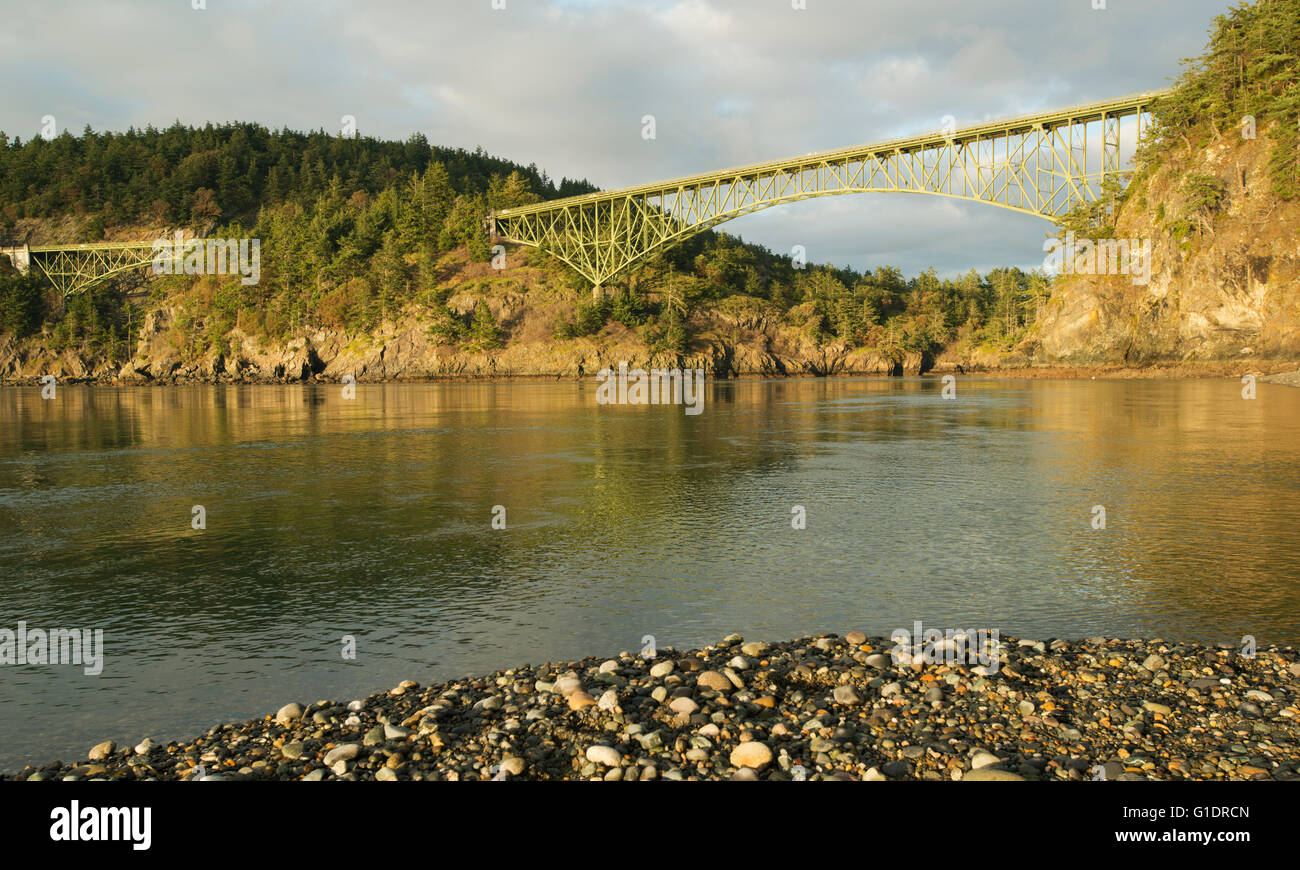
x=1224 y=282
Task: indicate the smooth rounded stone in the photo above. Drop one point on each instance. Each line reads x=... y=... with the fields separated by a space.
x=145 y=746
x=752 y=753
x=890 y=689
x=608 y=700
x=934 y=693
x=513 y=765
x=879 y=661
x=315 y=776
x=346 y=752
x=660 y=694
x=292 y=750
x=1025 y=708
x=740 y=663
x=581 y=699
x=356 y=706
x=1153 y=663
x=567 y=686
x=992 y=774
x=1259 y=695
x=697 y=754
x=102 y=751
x=685 y=705
x=339 y=767
x=855 y=638
x=385 y=774
x=754 y=648
x=1153 y=707
x=745 y=774
x=606 y=755
x=825 y=644
x=375 y=736
x=732 y=640
x=873 y=774
x=661 y=669
x=542 y=687
x=395 y=732
x=608 y=667
x=847 y=694
x=714 y=681
x=290 y=712
x=896 y=769
x=983 y=759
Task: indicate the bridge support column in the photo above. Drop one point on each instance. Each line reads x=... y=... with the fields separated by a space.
x=20 y=257
x=597 y=293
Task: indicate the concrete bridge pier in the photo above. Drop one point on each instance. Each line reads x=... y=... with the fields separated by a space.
x=21 y=258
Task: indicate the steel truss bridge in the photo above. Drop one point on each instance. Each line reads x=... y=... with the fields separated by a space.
x=74 y=268
x=1043 y=164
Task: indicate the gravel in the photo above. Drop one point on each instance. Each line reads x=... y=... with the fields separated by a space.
x=816 y=708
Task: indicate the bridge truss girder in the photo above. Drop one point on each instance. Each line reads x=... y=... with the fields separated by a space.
x=75 y=268
x=1041 y=165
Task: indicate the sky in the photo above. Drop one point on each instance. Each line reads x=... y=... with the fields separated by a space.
x=566 y=84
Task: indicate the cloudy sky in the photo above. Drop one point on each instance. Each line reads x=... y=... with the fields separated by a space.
x=565 y=84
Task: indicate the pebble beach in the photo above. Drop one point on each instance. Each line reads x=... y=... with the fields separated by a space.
x=818 y=708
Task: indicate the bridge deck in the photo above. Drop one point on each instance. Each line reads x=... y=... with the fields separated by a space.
x=1120 y=107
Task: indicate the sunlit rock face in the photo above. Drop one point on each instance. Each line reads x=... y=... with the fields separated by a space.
x=1229 y=286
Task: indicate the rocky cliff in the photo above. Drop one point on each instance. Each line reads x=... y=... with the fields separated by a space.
x=740 y=336
x=1225 y=276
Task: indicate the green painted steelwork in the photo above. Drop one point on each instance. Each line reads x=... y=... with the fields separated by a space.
x=1036 y=164
x=74 y=268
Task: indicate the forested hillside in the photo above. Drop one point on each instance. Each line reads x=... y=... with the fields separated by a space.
x=363 y=240
x=357 y=233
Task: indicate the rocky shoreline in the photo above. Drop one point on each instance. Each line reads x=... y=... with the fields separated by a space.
x=827 y=707
x=1274 y=372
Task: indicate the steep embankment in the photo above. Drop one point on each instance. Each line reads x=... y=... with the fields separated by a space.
x=738 y=336
x=1225 y=278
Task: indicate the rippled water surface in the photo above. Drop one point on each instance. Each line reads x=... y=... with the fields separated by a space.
x=372 y=518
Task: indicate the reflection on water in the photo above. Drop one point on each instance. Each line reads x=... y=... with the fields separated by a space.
x=372 y=517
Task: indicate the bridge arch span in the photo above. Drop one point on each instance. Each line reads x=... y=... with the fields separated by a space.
x=1043 y=165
